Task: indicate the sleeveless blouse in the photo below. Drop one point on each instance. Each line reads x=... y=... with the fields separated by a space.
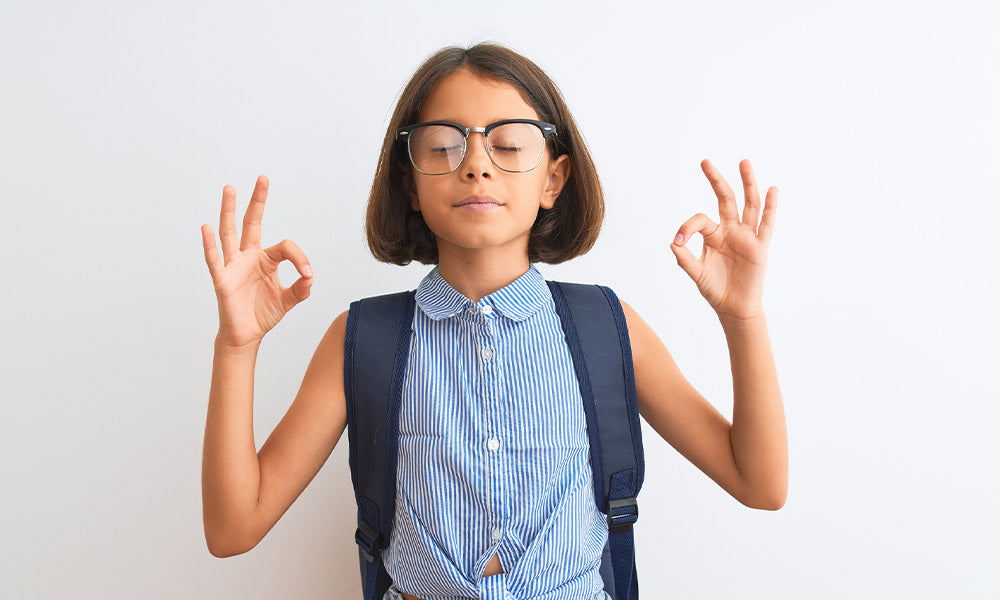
x=494 y=457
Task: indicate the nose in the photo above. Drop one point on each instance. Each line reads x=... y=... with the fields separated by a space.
x=477 y=161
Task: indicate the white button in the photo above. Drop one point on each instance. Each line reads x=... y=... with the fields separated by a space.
x=497 y=534
x=493 y=444
x=487 y=310
x=487 y=353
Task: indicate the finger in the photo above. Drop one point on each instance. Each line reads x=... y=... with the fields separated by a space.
x=227 y=223
x=728 y=213
x=687 y=261
x=751 y=197
x=251 y=220
x=699 y=223
x=212 y=257
x=770 y=213
x=296 y=293
x=288 y=250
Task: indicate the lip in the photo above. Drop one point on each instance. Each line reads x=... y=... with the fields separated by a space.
x=479 y=202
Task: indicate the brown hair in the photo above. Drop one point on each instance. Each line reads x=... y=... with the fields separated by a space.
x=398 y=234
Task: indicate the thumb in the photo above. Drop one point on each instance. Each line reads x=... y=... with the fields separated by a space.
x=297 y=292
x=686 y=259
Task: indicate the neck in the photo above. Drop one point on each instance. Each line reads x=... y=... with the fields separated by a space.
x=475 y=273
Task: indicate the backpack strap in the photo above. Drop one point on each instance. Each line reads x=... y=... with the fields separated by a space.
x=616 y=456
x=372 y=351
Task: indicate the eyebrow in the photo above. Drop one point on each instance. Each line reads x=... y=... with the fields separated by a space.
x=491 y=121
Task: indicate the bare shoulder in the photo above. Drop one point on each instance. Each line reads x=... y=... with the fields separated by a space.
x=323 y=382
x=304 y=438
x=676 y=410
x=661 y=386
x=650 y=354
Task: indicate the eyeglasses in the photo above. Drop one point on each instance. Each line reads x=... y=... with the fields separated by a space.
x=438 y=147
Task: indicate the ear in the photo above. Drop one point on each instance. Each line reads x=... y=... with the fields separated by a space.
x=411 y=192
x=558 y=173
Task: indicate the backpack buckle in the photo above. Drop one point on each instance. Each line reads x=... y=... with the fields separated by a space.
x=369 y=541
x=620 y=521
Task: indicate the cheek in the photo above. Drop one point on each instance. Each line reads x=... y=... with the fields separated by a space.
x=536 y=189
x=421 y=189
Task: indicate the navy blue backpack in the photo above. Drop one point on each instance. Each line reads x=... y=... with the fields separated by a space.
x=376 y=347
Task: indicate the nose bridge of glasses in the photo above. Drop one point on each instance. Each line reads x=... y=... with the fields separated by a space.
x=470 y=130
x=486 y=146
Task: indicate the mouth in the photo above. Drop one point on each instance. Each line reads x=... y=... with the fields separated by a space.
x=479 y=202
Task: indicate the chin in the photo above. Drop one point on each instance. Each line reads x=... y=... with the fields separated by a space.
x=483 y=242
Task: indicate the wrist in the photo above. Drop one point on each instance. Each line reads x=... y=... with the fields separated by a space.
x=222 y=346
x=739 y=323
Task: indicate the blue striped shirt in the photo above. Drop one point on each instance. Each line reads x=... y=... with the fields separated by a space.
x=494 y=457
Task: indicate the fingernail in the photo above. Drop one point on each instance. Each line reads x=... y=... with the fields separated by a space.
x=307 y=270
x=679 y=238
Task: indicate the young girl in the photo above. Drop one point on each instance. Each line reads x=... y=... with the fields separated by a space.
x=483 y=173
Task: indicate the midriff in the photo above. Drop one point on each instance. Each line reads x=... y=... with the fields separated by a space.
x=492 y=568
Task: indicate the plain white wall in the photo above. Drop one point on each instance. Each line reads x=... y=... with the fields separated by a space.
x=122 y=121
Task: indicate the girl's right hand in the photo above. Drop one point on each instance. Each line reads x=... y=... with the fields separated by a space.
x=251 y=299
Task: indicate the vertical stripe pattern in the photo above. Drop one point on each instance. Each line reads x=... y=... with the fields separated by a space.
x=494 y=457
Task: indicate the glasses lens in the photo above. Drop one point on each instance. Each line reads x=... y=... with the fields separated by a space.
x=517 y=146
x=436 y=149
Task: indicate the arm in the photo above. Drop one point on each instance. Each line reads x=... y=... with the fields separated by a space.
x=230 y=473
x=244 y=492
x=748 y=458
x=759 y=437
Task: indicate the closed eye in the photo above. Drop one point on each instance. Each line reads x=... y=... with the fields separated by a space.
x=446 y=149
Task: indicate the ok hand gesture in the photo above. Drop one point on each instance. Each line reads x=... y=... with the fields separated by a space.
x=730 y=272
x=251 y=299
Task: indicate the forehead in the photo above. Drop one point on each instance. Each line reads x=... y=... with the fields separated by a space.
x=473 y=101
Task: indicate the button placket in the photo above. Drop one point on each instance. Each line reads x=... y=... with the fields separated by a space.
x=493 y=442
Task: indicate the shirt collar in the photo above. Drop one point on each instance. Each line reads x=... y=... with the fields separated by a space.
x=517 y=300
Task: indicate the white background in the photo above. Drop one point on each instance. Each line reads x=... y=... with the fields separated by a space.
x=122 y=121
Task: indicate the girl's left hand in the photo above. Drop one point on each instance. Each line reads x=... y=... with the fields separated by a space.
x=730 y=272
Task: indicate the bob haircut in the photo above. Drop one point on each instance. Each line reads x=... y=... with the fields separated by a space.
x=398 y=234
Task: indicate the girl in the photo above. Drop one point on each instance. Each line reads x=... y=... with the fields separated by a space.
x=483 y=173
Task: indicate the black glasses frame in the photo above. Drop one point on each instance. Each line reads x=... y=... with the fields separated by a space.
x=403 y=133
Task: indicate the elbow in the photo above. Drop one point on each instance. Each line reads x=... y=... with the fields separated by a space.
x=763 y=495
x=223 y=549
x=224 y=545
x=774 y=504
x=228 y=535
x=771 y=500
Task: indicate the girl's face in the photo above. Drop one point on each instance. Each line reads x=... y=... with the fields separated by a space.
x=478 y=206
